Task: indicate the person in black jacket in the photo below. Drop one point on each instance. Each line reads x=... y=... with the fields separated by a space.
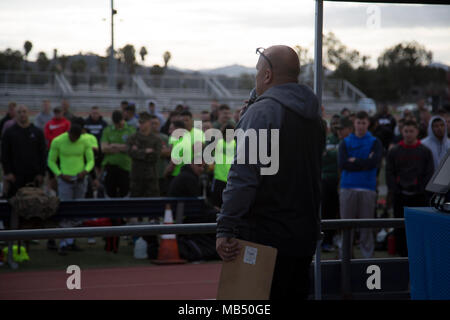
x=9 y=115
x=409 y=167
x=385 y=126
x=187 y=183
x=279 y=208
x=24 y=155
x=95 y=124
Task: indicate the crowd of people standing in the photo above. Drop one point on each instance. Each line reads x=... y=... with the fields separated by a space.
x=131 y=156
x=359 y=147
x=76 y=158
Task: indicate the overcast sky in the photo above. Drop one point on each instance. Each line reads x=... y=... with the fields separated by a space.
x=210 y=33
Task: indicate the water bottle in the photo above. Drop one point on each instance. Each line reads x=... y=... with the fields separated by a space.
x=140 y=249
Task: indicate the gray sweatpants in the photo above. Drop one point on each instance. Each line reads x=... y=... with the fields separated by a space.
x=359 y=204
x=70 y=191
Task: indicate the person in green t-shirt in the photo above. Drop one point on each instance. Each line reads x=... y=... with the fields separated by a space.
x=116 y=163
x=172 y=170
x=224 y=156
x=93 y=183
x=76 y=159
x=330 y=179
x=194 y=138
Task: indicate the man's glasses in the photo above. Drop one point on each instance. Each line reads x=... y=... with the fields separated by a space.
x=260 y=51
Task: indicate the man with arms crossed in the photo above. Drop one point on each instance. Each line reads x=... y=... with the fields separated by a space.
x=359 y=158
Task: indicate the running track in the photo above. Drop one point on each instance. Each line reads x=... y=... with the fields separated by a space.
x=185 y=282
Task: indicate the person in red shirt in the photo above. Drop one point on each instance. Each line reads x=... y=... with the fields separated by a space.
x=56 y=126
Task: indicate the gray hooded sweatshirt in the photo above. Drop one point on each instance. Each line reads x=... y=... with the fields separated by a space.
x=41 y=119
x=281 y=209
x=438 y=148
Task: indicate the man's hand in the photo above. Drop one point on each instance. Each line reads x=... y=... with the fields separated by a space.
x=110 y=148
x=351 y=159
x=228 y=248
x=148 y=150
x=121 y=148
x=134 y=148
x=10 y=177
x=165 y=151
x=66 y=178
x=81 y=175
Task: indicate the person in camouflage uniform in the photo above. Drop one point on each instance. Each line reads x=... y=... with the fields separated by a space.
x=330 y=181
x=144 y=148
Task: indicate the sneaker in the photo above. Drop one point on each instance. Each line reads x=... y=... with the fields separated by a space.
x=62 y=251
x=91 y=241
x=327 y=247
x=51 y=244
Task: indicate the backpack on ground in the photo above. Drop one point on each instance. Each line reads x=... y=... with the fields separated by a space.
x=30 y=202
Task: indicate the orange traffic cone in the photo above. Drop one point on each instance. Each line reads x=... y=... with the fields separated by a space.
x=168 y=246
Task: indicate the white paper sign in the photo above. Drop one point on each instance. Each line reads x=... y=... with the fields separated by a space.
x=250 y=255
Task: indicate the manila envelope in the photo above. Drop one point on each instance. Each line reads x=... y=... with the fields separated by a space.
x=249 y=276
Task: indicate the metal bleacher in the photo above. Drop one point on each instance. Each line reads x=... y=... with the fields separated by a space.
x=197 y=91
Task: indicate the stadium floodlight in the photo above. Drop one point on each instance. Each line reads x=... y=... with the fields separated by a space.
x=112 y=60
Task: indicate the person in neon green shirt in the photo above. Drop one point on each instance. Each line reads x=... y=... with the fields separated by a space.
x=176 y=167
x=72 y=149
x=224 y=156
x=76 y=159
x=91 y=140
x=172 y=169
x=194 y=139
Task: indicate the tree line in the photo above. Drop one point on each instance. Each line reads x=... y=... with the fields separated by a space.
x=17 y=60
x=403 y=71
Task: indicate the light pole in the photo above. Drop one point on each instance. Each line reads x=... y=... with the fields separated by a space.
x=318 y=84
x=112 y=60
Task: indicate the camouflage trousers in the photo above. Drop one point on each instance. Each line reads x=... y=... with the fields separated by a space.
x=144 y=188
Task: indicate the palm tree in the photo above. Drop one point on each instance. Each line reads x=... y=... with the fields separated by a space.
x=63 y=62
x=143 y=52
x=166 y=57
x=42 y=61
x=128 y=55
x=27 y=46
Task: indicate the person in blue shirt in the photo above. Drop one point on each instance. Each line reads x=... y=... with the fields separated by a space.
x=359 y=158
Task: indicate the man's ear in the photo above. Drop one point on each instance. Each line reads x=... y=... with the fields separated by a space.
x=268 y=76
